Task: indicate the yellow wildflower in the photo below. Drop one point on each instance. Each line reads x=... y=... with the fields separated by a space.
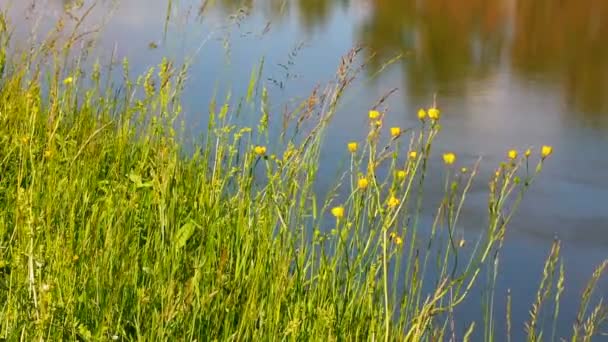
x=512 y=154
x=449 y=158
x=259 y=150
x=362 y=183
x=68 y=80
x=398 y=240
x=352 y=147
x=393 y=202
x=434 y=113
x=464 y=170
x=401 y=174
x=528 y=153
x=395 y=131
x=374 y=114
x=338 y=212
x=48 y=153
x=392 y=235
x=413 y=154
x=421 y=114
x=545 y=151
x=75 y=258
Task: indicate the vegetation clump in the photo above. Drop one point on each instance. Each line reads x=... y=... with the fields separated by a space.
x=111 y=229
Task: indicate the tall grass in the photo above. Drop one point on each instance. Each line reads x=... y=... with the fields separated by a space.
x=111 y=229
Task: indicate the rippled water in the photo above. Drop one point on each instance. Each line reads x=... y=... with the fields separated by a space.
x=508 y=74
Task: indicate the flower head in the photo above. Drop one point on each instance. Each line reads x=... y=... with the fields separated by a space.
x=259 y=150
x=393 y=202
x=464 y=170
x=398 y=240
x=362 y=183
x=395 y=131
x=68 y=80
x=434 y=113
x=374 y=114
x=352 y=146
x=546 y=151
x=528 y=153
x=413 y=154
x=421 y=114
x=449 y=158
x=338 y=212
x=401 y=174
x=512 y=154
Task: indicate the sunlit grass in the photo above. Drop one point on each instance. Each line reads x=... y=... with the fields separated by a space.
x=111 y=229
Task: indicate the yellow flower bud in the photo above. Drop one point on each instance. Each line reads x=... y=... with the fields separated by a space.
x=362 y=183
x=395 y=132
x=546 y=151
x=421 y=114
x=393 y=202
x=259 y=150
x=449 y=158
x=434 y=113
x=338 y=212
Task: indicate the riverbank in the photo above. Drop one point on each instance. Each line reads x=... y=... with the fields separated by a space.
x=111 y=229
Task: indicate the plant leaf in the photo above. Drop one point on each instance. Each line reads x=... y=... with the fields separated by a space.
x=184 y=234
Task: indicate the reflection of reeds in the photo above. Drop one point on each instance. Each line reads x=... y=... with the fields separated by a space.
x=167 y=18
x=110 y=228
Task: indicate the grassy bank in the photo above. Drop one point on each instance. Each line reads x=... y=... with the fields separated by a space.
x=111 y=229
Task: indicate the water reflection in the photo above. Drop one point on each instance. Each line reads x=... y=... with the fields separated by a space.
x=567 y=40
x=448 y=43
x=451 y=42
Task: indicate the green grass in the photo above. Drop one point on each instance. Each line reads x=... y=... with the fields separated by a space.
x=111 y=229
